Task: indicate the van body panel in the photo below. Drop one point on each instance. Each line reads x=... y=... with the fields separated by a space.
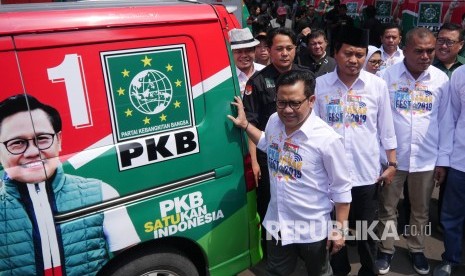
x=93 y=14
x=10 y=79
x=143 y=93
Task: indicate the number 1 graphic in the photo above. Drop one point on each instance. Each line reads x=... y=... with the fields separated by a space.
x=71 y=72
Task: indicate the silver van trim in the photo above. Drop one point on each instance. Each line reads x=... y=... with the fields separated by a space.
x=132 y=198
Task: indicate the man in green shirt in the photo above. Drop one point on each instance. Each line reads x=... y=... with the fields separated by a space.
x=449 y=43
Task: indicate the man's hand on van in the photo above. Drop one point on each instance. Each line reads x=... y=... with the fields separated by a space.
x=241 y=121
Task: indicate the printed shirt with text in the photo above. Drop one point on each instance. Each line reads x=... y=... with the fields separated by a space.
x=362 y=115
x=306 y=176
x=422 y=117
x=389 y=60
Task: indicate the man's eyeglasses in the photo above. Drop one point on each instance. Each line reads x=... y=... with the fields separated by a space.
x=376 y=62
x=448 y=42
x=19 y=145
x=294 y=105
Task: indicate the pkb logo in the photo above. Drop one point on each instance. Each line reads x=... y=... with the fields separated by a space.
x=151 y=104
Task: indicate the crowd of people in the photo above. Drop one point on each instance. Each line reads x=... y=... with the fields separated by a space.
x=340 y=124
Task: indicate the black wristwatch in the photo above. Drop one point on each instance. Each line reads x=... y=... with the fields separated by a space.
x=392 y=164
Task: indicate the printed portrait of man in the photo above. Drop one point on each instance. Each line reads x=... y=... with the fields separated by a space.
x=34 y=189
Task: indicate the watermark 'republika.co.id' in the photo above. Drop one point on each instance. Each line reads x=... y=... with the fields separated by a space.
x=362 y=230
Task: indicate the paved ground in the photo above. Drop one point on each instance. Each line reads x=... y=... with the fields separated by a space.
x=401 y=263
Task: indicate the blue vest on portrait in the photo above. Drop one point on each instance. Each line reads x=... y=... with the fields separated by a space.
x=83 y=243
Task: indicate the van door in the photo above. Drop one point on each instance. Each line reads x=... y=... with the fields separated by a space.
x=143 y=101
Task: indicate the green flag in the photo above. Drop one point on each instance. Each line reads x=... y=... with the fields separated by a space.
x=430 y=14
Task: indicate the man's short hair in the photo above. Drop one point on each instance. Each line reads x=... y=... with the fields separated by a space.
x=316 y=33
x=280 y=31
x=389 y=26
x=453 y=27
x=419 y=32
x=293 y=76
x=24 y=102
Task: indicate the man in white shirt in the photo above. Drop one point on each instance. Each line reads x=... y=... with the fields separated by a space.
x=390 y=51
x=420 y=104
x=243 y=49
x=307 y=178
x=452 y=214
x=355 y=104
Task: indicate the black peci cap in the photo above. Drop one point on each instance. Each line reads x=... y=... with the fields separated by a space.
x=353 y=36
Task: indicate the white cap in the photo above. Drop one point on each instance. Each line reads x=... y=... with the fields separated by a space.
x=242 y=38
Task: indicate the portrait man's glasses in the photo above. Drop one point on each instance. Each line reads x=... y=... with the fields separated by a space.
x=448 y=42
x=292 y=104
x=19 y=145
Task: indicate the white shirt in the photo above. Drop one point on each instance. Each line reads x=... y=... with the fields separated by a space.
x=243 y=78
x=457 y=93
x=362 y=115
x=389 y=60
x=420 y=109
x=306 y=176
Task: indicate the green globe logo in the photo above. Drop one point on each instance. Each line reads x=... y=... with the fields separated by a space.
x=150 y=91
x=383 y=9
x=430 y=14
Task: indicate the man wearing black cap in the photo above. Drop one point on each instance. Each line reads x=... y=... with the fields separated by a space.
x=356 y=104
